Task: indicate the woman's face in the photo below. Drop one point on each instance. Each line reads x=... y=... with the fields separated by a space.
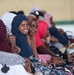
x=33 y=27
x=24 y=27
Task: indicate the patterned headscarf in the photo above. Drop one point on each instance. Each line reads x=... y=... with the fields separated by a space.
x=21 y=40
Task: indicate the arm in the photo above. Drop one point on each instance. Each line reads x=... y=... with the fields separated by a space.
x=46 y=44
x=55 y=40
x=12 y=41
x=34 y=48
x=32 y=43
x=44 y=50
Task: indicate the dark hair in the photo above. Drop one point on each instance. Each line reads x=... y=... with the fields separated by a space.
x=14 y=12
x=20 y=12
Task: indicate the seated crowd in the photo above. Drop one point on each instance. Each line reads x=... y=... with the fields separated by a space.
x=33 y=45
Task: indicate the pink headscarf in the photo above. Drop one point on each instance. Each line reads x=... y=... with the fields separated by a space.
x=4 y=46
x=42 y=28
x=47 y=19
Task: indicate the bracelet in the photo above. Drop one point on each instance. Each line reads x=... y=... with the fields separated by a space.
x=40 y=60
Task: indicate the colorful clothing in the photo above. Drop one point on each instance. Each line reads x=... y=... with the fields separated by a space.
x=50 y=70
x=26 y=50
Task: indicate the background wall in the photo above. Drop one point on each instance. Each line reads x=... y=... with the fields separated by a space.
x=62 y=10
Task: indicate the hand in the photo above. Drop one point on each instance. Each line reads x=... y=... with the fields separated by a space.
x=57 y=60
x=16 y=49
x=44 y=64
x=28 y=66
x=55 y=40
x=27 y=62
x=47 y=39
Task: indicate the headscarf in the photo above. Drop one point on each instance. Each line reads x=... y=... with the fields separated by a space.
x=7 y=19
x=34 y=9
x=47 y=19
x=21 y=40
x=11 y=59
x=4 y=45
x=42 y=28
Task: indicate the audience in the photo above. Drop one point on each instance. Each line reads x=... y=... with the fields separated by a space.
x=30 y=38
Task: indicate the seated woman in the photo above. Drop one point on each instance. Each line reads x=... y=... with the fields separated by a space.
x=33 y=25
x=9 y=58
x=4 y=45
x=7 y=20
x=20 y=28
x=42 y=32
x=57 y=33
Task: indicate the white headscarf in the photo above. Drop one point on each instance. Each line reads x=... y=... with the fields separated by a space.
x=11 y=59
x=34 y=9
x=7 y=18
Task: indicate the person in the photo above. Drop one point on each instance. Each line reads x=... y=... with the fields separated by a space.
x=57 y=33
x=7 y=20
x=42 y=33
x=13 y=64
x=19 y=29
x=33 y=26
x=32 y=30
x=31 y=40
x=4 y=45
x=42 y=25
